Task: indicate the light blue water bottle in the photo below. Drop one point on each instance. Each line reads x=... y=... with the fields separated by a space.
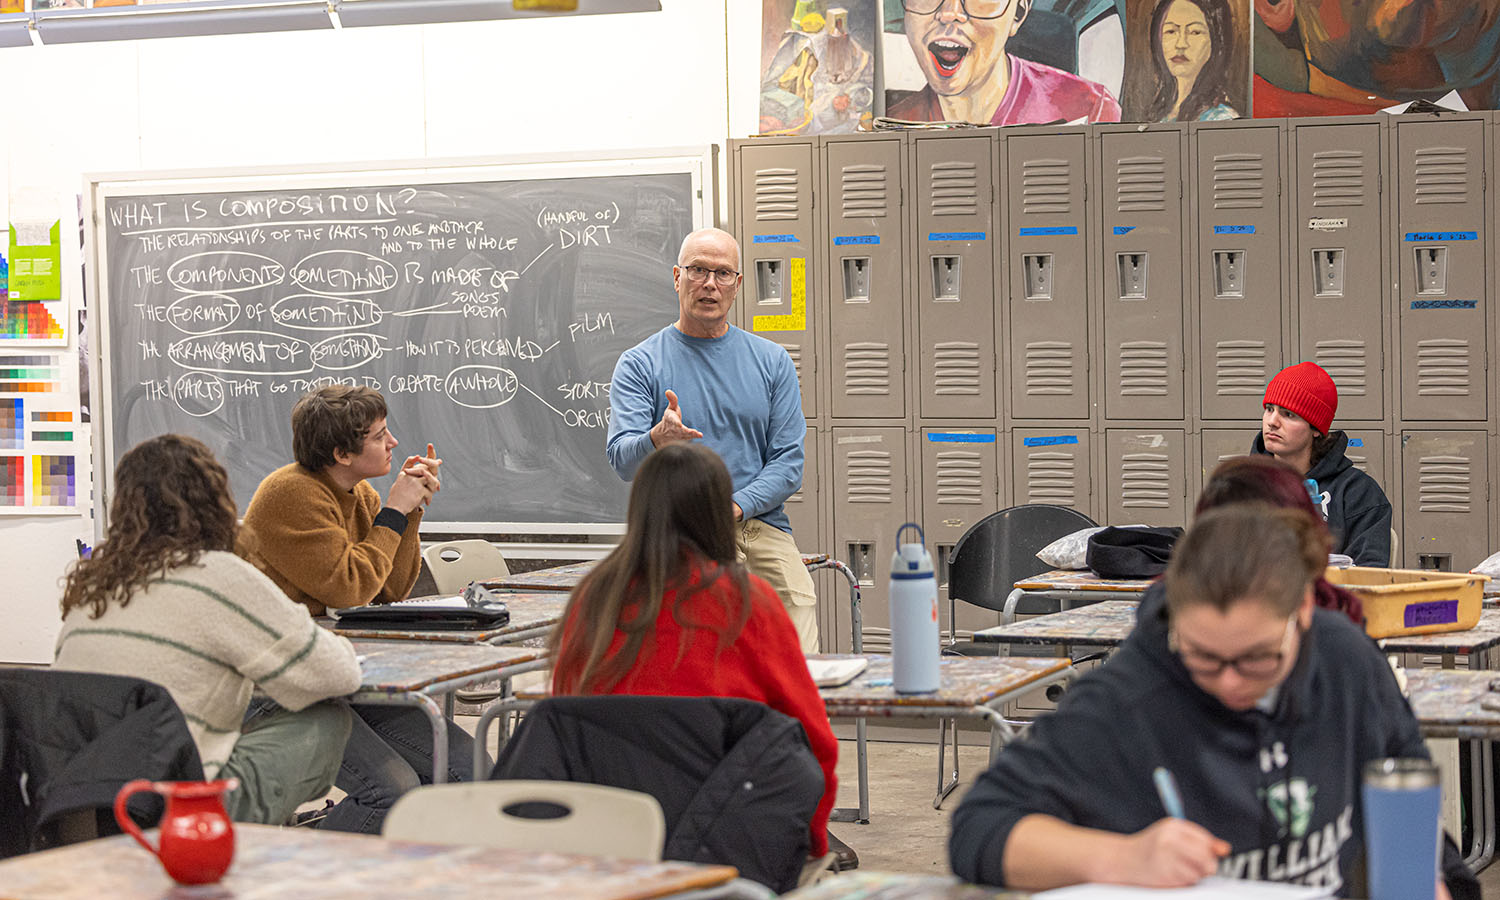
x=914 y=617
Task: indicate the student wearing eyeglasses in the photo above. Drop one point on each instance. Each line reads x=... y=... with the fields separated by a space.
x=1264 y=709
x=702 y=379
x=960 y=46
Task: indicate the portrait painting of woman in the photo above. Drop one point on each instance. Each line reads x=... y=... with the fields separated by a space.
x=1198 y=53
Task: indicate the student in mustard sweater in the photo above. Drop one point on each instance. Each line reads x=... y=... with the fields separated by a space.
x=672 y=613
x=165 y=598
x=320 y=531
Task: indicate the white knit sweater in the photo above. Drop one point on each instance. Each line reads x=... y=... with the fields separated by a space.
x=208 y=633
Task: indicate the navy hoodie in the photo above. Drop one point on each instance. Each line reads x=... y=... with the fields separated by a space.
x=1358 y=513
x=1282 y=789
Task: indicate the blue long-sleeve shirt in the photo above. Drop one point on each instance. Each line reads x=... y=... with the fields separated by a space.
x=740 y=390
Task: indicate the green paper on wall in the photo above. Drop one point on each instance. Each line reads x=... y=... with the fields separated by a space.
x=35 y=262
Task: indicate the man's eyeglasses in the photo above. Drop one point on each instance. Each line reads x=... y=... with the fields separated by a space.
x=1259 y=664
x=973 y=9
x=698 y=275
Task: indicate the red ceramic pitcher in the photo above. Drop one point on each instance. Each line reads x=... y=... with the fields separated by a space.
x=197 y=838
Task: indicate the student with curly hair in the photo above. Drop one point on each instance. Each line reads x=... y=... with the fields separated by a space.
x=165 y=598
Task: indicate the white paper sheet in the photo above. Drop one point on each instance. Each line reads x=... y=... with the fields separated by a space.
x=1215 y=888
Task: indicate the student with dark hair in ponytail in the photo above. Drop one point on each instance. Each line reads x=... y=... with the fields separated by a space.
x=1263 y=707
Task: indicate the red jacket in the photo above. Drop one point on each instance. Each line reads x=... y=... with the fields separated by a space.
x=764 y=663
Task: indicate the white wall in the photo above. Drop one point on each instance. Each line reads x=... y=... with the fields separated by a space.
x=683 y=76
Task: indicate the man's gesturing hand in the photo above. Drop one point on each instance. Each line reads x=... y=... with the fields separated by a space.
x=670 y=429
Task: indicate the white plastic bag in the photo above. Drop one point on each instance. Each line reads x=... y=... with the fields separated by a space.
x=1070 y=550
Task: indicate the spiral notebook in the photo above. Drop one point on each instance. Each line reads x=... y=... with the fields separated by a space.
x=426 y=614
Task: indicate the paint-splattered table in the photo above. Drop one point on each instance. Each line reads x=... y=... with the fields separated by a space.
x=1068 y=588
x=557 y=578
x=271 y=863
x=1103 y=624
x=863 y=885
x=1478 y=644
x=1451 y=703
x=413 y=673
x=532 y=615
x=969 y=687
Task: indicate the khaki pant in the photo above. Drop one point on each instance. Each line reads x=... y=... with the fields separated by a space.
x=771 y=553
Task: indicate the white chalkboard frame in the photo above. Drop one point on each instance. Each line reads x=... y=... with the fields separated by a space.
x=699 y=163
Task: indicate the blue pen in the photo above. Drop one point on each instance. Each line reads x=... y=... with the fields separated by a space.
x=1166 y=788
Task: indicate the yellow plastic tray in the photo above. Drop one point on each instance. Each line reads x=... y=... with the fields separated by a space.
x=1413 y=601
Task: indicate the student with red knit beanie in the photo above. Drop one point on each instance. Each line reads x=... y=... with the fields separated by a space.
x=1296 y=427
x=672 y=613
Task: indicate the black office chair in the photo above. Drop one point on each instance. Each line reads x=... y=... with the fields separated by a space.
x=996 y=552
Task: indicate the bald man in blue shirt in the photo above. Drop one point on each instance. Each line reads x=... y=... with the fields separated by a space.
x=702 y=379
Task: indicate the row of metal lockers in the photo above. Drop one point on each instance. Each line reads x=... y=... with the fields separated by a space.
x=861 y=482
x=1089 y=316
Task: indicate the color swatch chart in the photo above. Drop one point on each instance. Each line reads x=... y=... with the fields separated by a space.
x=29 y=320
x=39 y=434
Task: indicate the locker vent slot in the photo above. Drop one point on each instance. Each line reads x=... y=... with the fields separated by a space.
x=868 y=476
x=1445 y=484
x=1442 y=175
x=1045 y=187
x=1143 y=368
x=867 y=368
x=959 y=477
x=1361 y=463
x=1241 y=368
x=955 y=367
x=1052 y=477
x=1145 y=481
x=795 y=352
x=955 y=189
x=1049 y=368
x=1443 y=367
x=778 y=193
x=876 y=640
x=1338 y=178
x=863 y=192
x=1239 y=181
x=1141 y=184
x=1345 y=361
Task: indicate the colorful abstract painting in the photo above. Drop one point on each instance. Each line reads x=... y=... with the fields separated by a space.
x=1190 y=60
x=1004 y=62
x=1346 y=57
x=817 y=65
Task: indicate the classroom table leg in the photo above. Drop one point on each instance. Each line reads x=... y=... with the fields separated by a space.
x=435 y=718
x=943 y=790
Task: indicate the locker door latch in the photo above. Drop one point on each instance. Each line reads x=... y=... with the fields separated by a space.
x=1432 y=270
x=768 y=281
x=1132 y=269
x=857 y=279
x=1328 y=273
x=1038 y=273
x=1229 y=274
x=946 y=277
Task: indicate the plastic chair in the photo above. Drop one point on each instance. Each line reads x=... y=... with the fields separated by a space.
x=996 y=552
x=556 y=816
x=456 y=563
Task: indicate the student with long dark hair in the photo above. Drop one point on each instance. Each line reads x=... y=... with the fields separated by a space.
x=1264 y=708
x=1296 y=427
x=670 y=612
x=165 y=598
x=1191 y=47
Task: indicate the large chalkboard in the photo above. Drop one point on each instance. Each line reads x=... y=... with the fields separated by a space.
x=489 y=310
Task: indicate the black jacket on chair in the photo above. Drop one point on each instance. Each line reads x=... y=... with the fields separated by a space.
x=70 y=740
x=736 y=779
